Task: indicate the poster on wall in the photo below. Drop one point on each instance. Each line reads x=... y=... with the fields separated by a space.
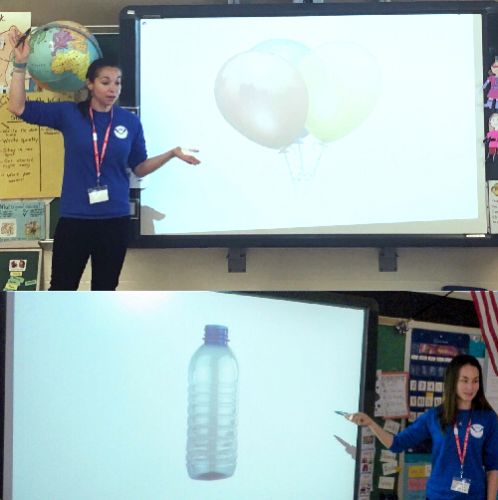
x=392 y=395
x=22 y=220
x=415 y=478
x=493 y=205
x=10 y=21
x=20 y=269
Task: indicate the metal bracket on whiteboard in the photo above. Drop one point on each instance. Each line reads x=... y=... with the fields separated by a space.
x=237 y=260
x=388 y=260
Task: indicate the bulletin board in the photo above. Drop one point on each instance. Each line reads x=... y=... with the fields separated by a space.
x=390 y=358
x=20 y=269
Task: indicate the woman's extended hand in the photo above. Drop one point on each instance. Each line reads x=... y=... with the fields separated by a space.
x=360 y=418
x=363 y=419
x=151 y=164
x=184 y=155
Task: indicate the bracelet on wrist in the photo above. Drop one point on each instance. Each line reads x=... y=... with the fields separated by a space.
x=19 y=70
x=20 y=65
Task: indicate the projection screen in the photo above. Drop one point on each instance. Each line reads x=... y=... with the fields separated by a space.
x=97 y=396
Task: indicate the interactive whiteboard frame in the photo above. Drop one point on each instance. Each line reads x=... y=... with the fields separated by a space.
x=130 y=19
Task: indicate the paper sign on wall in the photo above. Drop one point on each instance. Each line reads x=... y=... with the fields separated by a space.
x=392 y=393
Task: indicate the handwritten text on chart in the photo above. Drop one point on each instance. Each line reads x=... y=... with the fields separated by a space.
x=31 y=157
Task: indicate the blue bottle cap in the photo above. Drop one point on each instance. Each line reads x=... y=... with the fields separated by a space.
x=215 y=334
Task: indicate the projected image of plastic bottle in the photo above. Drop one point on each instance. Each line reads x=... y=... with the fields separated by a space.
x=212 y=408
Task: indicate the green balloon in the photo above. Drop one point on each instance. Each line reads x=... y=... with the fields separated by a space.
x=344 y=83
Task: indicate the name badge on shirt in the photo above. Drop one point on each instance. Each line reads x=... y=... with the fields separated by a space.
x=460 y=485
x=98 y=194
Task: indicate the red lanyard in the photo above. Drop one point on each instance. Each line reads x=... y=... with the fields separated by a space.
x=99 y=159
x=462 y=453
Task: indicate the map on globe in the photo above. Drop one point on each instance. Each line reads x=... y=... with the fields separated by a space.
x=60 y=53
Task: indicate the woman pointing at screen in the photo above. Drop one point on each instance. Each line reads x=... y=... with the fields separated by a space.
x=464 y=432
x=101 y=142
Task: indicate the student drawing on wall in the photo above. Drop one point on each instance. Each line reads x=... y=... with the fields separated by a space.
x=492 y=136
x=101 y=142
x=492 y=83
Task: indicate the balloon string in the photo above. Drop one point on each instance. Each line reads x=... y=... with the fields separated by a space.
x=295 y=157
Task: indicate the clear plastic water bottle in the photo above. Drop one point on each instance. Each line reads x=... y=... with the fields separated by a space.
x=212 y=408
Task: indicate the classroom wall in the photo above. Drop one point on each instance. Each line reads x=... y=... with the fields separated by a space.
x=419 y=269
x=97 y=12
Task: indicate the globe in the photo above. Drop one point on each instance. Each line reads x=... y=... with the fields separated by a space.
x=60 y=53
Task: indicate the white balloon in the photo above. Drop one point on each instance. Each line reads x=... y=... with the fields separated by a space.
x=264 y=97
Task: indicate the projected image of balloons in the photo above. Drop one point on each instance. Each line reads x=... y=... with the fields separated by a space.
x=286 y=96
x=263 y=97
x=343 y=81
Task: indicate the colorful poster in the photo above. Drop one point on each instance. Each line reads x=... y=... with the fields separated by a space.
x=22 y=220
x=430 y=353
x=20 y=269
x=416 y=474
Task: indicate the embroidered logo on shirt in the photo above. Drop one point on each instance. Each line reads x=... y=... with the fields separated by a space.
x=477 y=430
x=121 y=132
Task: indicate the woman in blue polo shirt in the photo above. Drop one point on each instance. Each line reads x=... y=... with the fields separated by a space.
x=464 y=432
x=101 y=142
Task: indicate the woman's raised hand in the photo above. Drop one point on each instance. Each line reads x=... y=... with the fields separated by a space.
x=21 y=53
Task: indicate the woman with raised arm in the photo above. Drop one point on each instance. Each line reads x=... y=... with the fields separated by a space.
x=464 y=432
x=101 y=142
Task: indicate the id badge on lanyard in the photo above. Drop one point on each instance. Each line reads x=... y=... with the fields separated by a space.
x=98 y=194
x=461 y=484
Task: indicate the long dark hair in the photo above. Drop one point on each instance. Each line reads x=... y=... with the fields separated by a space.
x=449 y=408
x=92 y=73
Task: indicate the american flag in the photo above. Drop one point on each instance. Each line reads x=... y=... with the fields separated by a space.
x=486 y=306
